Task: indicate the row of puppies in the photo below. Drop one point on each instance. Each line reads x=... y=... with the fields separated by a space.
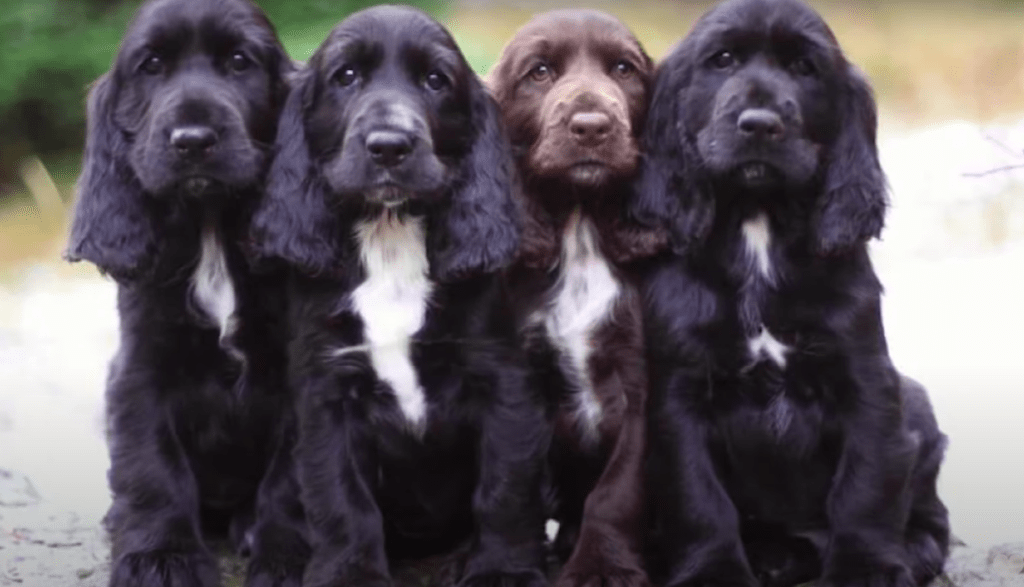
x=452 y=291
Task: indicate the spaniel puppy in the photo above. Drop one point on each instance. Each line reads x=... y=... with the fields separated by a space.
x=199 y=415
x=778 y=418
x=391 y=199
x=573 y=86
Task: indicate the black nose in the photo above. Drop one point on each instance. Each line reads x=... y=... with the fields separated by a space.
x=388 y=148
x=590 y=127
x=761 y=123
x=193 y=140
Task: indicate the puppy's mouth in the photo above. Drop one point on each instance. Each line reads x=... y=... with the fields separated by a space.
x=757 y=174
x=589 y=172
x=387 y=193
x=198 y=185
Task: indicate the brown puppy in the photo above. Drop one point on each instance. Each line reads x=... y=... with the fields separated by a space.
x=573 y=86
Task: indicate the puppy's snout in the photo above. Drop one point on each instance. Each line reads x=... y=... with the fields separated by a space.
x=193 y=141
x=590 y=128
x=761 y=124
x=388 y=148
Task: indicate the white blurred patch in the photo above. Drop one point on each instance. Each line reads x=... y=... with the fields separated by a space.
x=392 y=303
x=213 y=290
x=758 y=237
x=582 y=301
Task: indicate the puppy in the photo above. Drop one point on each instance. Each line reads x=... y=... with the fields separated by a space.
x=200 y=424
x=779 y=420
x=391 y=200
x=573 y=86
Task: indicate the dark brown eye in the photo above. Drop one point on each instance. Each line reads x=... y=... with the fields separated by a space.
x=153 y=65
x=437 y=81
x=540 y=72
x=346 y=76
x=723 y=60
x=238 y=62
x=624 y=68
x=803 y=66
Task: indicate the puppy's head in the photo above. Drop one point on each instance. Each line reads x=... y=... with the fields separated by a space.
x=188 y=109
x=573 y=86
x=388 y=114
x=759 y=103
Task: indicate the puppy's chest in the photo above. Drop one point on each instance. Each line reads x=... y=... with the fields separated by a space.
x=578 y=305
x=392 y=303
x=212 y=290
x=759 y=275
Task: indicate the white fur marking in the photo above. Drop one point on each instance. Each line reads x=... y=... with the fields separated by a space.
x=212 y=288
x=584 y=297
x=392 y=303
x=759 y=237
x=766 y=344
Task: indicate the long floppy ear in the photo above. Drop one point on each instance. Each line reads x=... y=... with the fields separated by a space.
x=478 y=231
x=851 y=209
x=671 y=189
x=111 y=226
x=292 y=222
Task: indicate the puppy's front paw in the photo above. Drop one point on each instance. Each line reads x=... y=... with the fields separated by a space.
x=602 y=575
x=895 y=575
x=530 y=578
x=165 y=568
x=274 y=572
x=278 y=558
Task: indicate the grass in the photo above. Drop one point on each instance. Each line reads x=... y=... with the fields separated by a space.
x=928 y=62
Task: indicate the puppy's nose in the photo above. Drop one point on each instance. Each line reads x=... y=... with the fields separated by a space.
x=761 y=123
x=388 y=148
x=193 y=140
x=590 y=127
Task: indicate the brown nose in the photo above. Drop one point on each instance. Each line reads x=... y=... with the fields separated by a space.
x=590 y=128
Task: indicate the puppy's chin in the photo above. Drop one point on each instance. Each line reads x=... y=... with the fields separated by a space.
x=757 y=176
x=387 y=195
x=589 y=174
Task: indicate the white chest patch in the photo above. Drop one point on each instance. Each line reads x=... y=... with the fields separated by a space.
x=582 y=301
x=758 y=236
x=764 y=345
x=392 y=303
x=212 y=288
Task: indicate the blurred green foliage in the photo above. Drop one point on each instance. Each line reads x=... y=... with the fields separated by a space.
x=50 y=50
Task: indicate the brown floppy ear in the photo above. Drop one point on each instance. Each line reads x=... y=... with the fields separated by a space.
x=111 y=226
x=852 y=206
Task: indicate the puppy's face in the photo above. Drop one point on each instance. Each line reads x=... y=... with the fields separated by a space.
x=390 y=110
x=764 y=94
x=573 y=86
x=198 y=84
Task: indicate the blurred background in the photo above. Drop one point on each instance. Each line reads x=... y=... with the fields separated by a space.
x=949 y=78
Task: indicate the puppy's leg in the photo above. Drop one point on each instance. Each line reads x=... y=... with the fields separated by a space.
x=608 y=549
x=508 y=550
x=698 y=522
x=869 y=502
x=154 y=519
x=336 y=462
x=279 y=547
x=928 y=527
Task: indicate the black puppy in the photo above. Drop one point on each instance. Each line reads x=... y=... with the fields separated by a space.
x=779 y=420
x=199 y=415
x=391 y=198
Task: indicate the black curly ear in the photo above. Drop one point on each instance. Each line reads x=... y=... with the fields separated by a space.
x=111 y=226
x=852 y=207
x=671 y=189
x=478 y=231
x=292 y=222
